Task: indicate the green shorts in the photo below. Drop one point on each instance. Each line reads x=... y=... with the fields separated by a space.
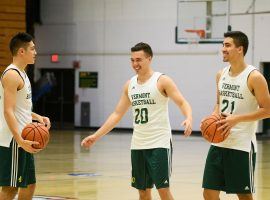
x=151 y=167
x=17 y=168
x=229 y=170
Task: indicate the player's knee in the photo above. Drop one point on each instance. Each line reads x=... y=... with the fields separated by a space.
x=165 y=193
x=31 y=187
x=206 y=195
x=245 y=196
x=209 y=195
x=9 y=192
x=26 y=193
x=145 y=194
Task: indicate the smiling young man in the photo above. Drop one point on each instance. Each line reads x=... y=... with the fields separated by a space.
x=17 y=170
x=148 y=93
x=243 y=97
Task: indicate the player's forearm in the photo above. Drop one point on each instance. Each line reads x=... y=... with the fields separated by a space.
x=110 y=123
x=186 y=110
x=261 y=113
x=216 y=109
x=36 y=116
x=12 y=124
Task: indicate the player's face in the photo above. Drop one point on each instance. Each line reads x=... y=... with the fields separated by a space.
x=140 y=61
x=30 y=53
x=230 y=51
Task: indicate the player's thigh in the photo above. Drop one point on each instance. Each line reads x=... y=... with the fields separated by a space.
x=9 y=165
x=213 y=177
x=17 y=167
x=239 y=169
x=159 y=166
x=141 y=179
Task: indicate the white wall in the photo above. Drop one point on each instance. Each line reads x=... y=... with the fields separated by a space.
x=99 y=33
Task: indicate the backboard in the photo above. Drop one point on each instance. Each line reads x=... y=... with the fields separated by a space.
x=201 y=21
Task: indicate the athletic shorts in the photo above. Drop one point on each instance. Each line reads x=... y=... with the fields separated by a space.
x=151 y=167
x=229 y=170
x=17 y=168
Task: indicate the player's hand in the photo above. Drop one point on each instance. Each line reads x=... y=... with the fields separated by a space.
x=89 y=141
x=227 y=123
x=188 y=127
x=27 y=145
x=47 y=122
x=44 y=120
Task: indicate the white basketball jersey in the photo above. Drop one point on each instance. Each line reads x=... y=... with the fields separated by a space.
x=150 y=115
x=23 y=108
x=236 y=98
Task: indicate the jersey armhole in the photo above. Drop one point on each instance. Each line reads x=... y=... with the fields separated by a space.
x=224 y=70
x=161 y=74
x=17 y=72
x=247 y=80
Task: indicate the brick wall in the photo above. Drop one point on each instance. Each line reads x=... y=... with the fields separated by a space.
x=12 y=20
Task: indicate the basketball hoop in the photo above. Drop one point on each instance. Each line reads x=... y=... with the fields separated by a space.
x=199 y=32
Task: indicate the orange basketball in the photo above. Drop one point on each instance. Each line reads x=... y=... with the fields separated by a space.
x=36 y=132
x=209 y=129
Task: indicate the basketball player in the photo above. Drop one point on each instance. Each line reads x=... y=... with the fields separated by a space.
x=243 y=97
x=148 y=93
x=17 y=170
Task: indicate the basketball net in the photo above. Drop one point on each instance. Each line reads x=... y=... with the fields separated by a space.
x=197 y=35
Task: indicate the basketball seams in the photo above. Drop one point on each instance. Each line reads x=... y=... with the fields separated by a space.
x=41 y=137
x=45 y=130
x=26 y=135
x=36 y=132
x=209 y=129
x=214 y=134
x=34 y=136
x=205 y=121
x=34 y=124
x=205 y=130
x=47 y=135
x=217 y=117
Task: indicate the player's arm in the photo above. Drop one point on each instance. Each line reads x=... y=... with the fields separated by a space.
x=41 y=119
x=259 y=88
x=171 y=90
x=121 y=108
x=11 y=83
x=216 y=108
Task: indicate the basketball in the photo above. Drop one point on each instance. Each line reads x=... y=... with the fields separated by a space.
x=209 y=129
x=36 y=132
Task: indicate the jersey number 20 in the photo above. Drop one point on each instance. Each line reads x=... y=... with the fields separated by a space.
x=141 y=116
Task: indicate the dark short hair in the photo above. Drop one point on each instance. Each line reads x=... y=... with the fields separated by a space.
x=239 y=39
x=144 y=47
x=20 y=40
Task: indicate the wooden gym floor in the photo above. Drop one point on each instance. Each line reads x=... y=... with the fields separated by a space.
x=67 y=171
